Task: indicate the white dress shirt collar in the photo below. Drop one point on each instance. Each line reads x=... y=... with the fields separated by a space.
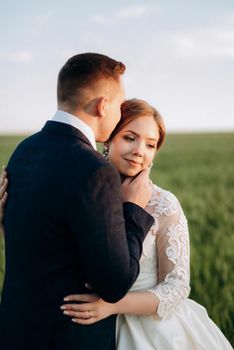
x=67 y=118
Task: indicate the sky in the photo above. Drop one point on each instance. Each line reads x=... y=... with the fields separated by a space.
x=179 y=56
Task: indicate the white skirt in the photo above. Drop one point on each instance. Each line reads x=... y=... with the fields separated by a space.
x=187 y=328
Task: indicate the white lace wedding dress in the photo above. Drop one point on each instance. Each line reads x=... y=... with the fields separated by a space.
x=179 y=323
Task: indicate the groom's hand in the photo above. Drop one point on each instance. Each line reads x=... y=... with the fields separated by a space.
x=137 y=190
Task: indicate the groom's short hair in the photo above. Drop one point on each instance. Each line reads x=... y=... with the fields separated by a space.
x=83 y=70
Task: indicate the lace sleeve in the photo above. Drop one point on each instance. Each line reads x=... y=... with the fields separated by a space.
x=172 y=244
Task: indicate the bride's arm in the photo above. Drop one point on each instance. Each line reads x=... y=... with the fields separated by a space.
x=94 y=309
x=173 y=258
x=137 y=303
x=173 y=276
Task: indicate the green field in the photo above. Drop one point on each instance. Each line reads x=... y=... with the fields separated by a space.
x=199 y=170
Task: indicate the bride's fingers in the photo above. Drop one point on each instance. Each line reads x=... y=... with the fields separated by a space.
x=82 y=297
x=3 y=201
x=84 y=322
x=77 y=307
x=3 y=188
x=81 y=315
x=3 y=176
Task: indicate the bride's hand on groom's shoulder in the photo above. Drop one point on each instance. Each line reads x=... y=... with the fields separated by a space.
x=91 y=308
x=3 y=193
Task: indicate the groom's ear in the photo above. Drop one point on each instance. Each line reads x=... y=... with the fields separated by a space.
x=101 y=106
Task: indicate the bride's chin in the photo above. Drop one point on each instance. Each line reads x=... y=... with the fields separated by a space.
x=128 y=173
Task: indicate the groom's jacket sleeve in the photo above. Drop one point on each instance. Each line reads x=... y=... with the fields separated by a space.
x=109 y=234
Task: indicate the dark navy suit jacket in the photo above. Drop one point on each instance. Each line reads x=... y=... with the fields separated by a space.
x=65 y=225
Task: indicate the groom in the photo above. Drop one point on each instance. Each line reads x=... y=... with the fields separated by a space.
x=65 y=223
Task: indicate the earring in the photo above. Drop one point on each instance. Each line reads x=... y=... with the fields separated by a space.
x=106 y=152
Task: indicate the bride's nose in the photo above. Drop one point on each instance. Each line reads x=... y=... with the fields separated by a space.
x=138 y=149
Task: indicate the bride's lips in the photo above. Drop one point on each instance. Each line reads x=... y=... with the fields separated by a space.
x=132 y=163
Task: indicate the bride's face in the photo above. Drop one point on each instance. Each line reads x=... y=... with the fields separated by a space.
x=134 y=147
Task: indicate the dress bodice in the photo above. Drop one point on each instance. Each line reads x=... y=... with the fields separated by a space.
x=148 y=264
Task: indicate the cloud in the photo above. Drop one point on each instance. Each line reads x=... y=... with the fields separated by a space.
x=123 y=14
x=132 y=12
x=204 y=44
x=17 y=57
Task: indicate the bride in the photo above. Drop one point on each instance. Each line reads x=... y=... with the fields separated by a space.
x=156 y=313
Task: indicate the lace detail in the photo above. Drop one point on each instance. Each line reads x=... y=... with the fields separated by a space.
x=163 y=202
x=172 y=246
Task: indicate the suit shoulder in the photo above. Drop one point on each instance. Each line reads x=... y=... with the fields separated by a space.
x=26 y=143
x=28 y=139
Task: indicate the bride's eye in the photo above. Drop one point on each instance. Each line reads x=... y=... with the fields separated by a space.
x=149 y=145
x=129 y=138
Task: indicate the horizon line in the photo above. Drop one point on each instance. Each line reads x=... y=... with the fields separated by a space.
x=181 y=131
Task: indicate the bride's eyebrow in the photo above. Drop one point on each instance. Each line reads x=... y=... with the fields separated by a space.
x=136 y=134
x=133 y=132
